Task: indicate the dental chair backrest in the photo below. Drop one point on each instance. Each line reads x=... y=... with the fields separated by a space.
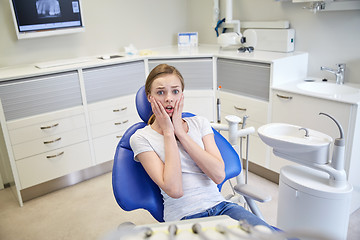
x=132 y=187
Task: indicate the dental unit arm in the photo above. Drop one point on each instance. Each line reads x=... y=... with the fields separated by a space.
x=336 y=167
x=249 y=192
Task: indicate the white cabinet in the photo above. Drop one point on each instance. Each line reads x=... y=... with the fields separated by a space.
x=58 y=121
x=245 y=91
x=200 y=102
x=251 y=79
x=42 y=119
x=109 y=120
x=197 y=72
x=37 y=95
x=103 y=83
x=256 y=110
x=110 y=94
x=45 y=146
x=50 y=165
x=57 y=124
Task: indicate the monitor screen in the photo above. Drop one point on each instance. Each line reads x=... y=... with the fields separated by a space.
x=36 y=18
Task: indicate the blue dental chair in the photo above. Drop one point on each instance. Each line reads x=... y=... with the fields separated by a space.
x=133 y=188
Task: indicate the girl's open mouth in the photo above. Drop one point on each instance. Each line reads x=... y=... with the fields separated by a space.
x=169 y=109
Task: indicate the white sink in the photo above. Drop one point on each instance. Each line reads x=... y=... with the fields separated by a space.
x=327 y=88
x=289 y=142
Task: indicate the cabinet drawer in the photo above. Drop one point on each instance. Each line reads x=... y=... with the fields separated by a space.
x=112 y=126
x=104 y=83
x=53 y=142
x=36 y=95
x=54 y=164
x=46 y=129
x=105 y=147
x=250 y=79
x=197 y=73
x=200 y=102
x=113 y=109
x=232 y=104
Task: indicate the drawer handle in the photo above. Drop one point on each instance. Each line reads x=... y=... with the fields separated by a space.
x=284 y=97
x=52 y=141
x=119 y=123
x=119 y=136
x=239 y=108
x=119 y=110
x=47 y=127
x=56 y=155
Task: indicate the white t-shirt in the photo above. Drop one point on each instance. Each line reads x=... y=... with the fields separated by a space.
x=200 y=192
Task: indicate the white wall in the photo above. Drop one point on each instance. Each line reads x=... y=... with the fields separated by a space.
x=110 y=25
x=328 y=37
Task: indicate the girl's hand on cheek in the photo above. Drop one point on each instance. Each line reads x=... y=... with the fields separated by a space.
x=177 y=118
x=162 y=117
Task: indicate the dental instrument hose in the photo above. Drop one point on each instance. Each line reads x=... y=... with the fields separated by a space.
x=218 y=105
x=337 y=160
x=247 y=149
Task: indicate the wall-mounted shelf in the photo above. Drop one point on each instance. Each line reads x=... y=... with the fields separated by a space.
x=327 y=5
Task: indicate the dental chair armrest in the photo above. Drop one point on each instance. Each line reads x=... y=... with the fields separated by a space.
x=251 y=192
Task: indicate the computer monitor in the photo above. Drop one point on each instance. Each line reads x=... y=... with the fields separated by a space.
x=40 y=18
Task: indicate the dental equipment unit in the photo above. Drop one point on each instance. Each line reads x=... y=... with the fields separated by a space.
x=315 y=195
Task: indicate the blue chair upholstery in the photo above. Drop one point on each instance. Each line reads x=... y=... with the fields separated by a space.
x=133 y=188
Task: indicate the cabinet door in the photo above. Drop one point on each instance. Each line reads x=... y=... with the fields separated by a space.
x=200 y=103
x=109 y=120
x=304 y=111
x=113 y=109
x=49 y=143
x=44 y=128
x=244 y=78
x=36 y=95
x=197 y=73
x=256 y=110
x=105 y=147
x=108 y=82
x=47 y=166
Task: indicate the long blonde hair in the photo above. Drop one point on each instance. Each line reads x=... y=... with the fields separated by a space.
x=160 y=70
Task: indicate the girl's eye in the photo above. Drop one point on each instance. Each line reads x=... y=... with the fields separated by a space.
x=160 y=92
x=176 y=91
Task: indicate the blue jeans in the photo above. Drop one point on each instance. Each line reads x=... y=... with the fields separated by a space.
x=232 y=210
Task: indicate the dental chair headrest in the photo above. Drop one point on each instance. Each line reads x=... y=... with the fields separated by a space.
x=143 y=106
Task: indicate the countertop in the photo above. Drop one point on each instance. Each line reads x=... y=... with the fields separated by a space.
x=173 y=52
x=292 y=87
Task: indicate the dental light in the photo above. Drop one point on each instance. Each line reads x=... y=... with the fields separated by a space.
x=235 y=38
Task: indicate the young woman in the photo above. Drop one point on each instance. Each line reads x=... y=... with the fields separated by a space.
x=180 y=154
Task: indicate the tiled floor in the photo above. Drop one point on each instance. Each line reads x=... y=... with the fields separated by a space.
x=88 y=211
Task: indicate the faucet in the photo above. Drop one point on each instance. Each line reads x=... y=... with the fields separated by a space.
x=339 y=73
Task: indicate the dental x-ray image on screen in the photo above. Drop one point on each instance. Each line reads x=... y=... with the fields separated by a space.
x=38 y=16
x=48 y=8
